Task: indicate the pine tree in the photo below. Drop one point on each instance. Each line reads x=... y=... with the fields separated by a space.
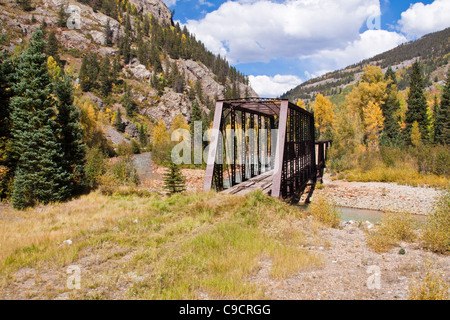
x=34 y=136
x=108 y=34
x=88 y=72
x=104 y=76
x=52 y=47
x=174 y=181
x=128 y=103
x=417 y=106
x=143 y=140
x=196 y=115
x=391 y=112
x=118 y=124
x=442 y=122
x=70 y=135
x=7 y=163
x=62 y=17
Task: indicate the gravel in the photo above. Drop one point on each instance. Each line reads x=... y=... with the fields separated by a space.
x=380 y=196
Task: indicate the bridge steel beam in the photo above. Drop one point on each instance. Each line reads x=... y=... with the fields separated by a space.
x=279 y=152
x=214 y=143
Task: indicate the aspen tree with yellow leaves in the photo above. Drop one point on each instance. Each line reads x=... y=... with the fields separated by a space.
x=323 y=114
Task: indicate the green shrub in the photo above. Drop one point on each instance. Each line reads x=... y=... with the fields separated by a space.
x=95 y=167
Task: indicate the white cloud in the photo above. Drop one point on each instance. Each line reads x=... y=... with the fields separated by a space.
x=272 y=87
x=421 y=19
x=170 y=3
x=259 y=31
x=369 y=44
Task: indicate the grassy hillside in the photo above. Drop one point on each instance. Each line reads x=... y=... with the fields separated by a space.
x=140 y=245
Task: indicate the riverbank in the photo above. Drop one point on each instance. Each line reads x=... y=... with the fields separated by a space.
x=380 y=196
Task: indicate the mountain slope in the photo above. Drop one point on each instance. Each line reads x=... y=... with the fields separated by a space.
x=163 y=65
x=433 y=50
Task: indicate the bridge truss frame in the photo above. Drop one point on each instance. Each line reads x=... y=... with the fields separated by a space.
x=294 y=147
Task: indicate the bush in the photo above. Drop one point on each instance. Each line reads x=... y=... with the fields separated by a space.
x=95 y=167
x=436 y=235
x=324 y=211
x=432 y=287
x=135 y=148
x=124 y=171
x=394 y=227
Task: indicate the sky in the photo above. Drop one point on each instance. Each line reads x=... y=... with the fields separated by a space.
x=281 y=43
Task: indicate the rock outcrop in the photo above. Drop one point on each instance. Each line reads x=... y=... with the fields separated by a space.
x=156 y=8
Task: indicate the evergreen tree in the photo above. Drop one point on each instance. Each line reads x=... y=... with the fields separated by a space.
x=6 y=162
x=143 y=140
x=174 y=181
x=417 y=106
x=128 y=103
x=88 y=72
x=118 y=124
x=70 y=135
x=442 y=122
x=108 y=34
x=34 y=137
x=52 y=46
x=104 y=76
x=62 y=17
x=391 y=112
x=196 y=115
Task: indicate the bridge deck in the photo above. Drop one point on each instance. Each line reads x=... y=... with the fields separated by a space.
x=262 y=182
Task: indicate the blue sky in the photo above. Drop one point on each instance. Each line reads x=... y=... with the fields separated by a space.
x=281 y=43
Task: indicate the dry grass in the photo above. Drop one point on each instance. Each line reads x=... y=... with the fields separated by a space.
x=432 y=287
x=140 y=245
x=325 y=211
x=394 y=227
x=436 y=235
x=404 y=176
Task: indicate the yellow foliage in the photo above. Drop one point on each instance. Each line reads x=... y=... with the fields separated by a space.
x=178 y=123
x=416 y=137
x=365 y=101
x=160 y=134
x=373 y=121
x=53 y=68
x=323 y=113
x=301 y=103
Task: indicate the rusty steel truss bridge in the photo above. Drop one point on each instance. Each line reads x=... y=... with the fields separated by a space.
x=265 y=144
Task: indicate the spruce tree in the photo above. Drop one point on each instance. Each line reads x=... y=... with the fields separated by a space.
x=143 y=140
x=70 y=135
x=89 y=72
x=128 y=103
x=174 y=181
x=52 y=47
x=391 y=110
x=62 y=17
x=417 y=106
x=7 y=163
x=108 y=34
x=104 y=76
x=442 y=122
x=118 y=124
x=34 y=137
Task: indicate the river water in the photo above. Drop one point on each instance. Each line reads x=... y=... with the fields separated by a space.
x=372 y=216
